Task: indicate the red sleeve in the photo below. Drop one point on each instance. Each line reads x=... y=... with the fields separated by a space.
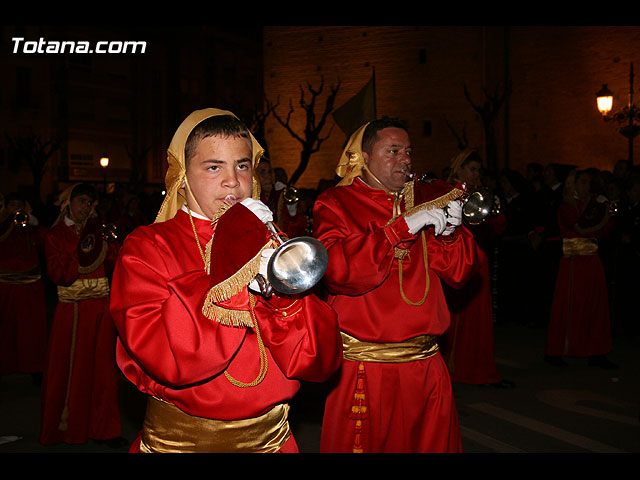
x=160 y=322
x=358 y=261
x=302 y=334
x=455 y=258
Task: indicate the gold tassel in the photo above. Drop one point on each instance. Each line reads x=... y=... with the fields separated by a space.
x=359 y=408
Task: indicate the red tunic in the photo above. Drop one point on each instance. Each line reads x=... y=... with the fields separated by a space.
x=468 y=344
x=23 y=312
x=580 y=323
x=170 y=350
x=410 y=405
x=91 y=395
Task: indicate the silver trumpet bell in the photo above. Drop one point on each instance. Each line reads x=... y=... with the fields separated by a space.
x=477 y=207
x=296 y=266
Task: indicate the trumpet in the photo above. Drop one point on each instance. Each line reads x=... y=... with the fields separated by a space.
x=296 y=266
x=290 y=195
x=477 y=206
x=110 y=232
x=21 y=218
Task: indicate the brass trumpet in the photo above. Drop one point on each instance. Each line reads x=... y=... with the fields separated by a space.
x=290 y=195
x=110 y=232
x=21 y=218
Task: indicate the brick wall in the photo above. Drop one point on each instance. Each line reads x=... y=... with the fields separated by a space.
x=421 y=73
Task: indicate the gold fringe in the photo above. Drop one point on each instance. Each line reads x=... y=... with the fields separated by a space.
x=228 y=317
x=439 y=202
x=236 y=282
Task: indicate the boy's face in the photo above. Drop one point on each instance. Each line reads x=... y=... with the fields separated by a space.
x=221 y=169
x=80 y=208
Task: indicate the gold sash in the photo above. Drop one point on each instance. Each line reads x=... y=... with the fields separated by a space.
x=167 y=429
x=579 y=246
x=417 y=348
x=24 y=276
x=84 y=288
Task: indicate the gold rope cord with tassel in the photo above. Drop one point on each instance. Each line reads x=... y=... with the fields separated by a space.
x=359 y=410
x=262 y=373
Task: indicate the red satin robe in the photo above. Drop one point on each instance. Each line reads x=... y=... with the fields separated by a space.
x=93 y=390
x=23 y=312
x=410 y=406
x=468 y=344
x=580 y=323
x=169 y=349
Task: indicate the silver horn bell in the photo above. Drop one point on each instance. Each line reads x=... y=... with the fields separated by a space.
x=296 y=266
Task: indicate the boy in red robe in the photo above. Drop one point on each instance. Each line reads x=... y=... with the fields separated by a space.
x=218 y=361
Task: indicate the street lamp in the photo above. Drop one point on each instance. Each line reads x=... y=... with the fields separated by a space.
x=625 y=117
x=104 y=163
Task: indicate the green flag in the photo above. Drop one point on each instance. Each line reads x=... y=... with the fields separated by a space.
x=358 y=110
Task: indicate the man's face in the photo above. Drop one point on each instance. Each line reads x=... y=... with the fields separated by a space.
x=80 y=208
x=220 y=169
x=390 y=158
x=470 y=173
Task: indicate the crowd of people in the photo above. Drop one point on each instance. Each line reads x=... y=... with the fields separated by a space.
x=162 y=290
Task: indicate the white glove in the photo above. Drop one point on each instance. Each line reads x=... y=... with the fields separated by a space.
x=279 y=186
x=422 y=218
x=254 y=286
x=453 y=212
x=259 y=209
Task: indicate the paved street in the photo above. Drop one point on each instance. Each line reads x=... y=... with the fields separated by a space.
x=573 y=409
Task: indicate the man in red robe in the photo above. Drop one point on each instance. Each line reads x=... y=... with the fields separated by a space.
x=80 y=384
x=391 y=243
x=580 y=322
x=218 y=360
x=23 y=312
x=468 y=345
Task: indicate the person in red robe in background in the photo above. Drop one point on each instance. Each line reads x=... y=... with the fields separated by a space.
x=391 y=244
x=468 y=344
x=218 y=361
x=286 y=213
x=80 y=383
x=580 y=323
x=23 y=309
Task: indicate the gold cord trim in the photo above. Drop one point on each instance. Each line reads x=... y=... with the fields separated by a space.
x=426 y=272
x=264 y=364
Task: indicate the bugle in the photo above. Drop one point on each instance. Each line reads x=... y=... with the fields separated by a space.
x=296 y=266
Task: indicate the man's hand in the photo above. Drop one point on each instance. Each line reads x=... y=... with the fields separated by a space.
x=423 y=218
x=259 y=209
x=453 y=212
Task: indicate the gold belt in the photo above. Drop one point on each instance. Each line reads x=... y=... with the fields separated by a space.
x=579 y=246
x=19 y=277
x=167 y=429
x=83 y=289
x=416 y=348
